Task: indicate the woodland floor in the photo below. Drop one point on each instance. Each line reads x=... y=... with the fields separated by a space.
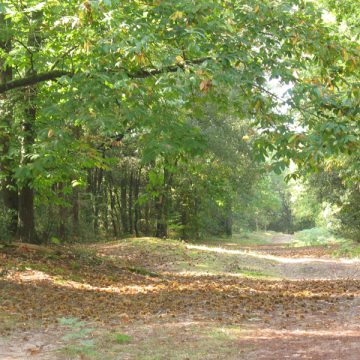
x=155 y=299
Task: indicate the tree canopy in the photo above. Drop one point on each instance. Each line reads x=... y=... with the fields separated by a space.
x=141 y=116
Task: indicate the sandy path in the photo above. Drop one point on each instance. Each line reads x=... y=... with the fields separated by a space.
x=327 y=336
x=292 y=268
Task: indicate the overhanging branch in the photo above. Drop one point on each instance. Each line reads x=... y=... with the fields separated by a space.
x=33 y=80
x=55 y=74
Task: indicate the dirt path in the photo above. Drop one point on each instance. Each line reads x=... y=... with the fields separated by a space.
x=205 y=302
x=288 y=264
x=282 y=239
x=329 y=334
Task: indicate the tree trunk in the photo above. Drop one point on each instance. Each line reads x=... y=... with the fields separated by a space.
x=75 y=210
x=8 y=188
x=130 y=203
x=161 y=217
x=137 y=206
x=26 y=194
x=75 y=213
x=62 y=213
x=26 y=229
x=113 y=213
x=26 y=215
x=147 y=219
x=228 y=218
x=105 y=209
x=98 y=178
x=184 y=222
x=123 y=202
x=162 y=206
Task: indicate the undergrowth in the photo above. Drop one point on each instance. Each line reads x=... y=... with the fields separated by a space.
x=316 y=236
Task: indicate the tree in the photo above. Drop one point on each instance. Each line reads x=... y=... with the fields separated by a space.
x=8 y=184
x=85 y=72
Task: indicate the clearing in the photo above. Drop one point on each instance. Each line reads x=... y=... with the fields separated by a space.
x=148 y=299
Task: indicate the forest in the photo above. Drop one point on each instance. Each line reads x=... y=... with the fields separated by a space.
x=157 y=131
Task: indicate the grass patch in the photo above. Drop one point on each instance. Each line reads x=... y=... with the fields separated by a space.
x=179 y=256
x=195 y=342
x=316 y=236
x=79 y=338
x=254 y=238
x=122 y=338
x=174 y=255
x=202 y=261
x=84 y=349
x=226 y=333
x=242 y=239
x=348 y=249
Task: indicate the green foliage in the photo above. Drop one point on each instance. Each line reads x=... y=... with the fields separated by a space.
x=305 y=206
x=336 y=189
x=268 y=204
x=54 y=240
x=149 y=114
x=348 y=249
x=316 y=236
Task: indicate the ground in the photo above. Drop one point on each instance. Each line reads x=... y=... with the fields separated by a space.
x=165 y=299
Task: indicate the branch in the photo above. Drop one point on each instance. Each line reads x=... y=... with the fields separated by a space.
x=31 y=53
x=33 y=80
x=25 y=46
x=55 y=74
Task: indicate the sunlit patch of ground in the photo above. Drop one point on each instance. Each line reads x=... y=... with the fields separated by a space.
x=297 y=268
x=263 y=255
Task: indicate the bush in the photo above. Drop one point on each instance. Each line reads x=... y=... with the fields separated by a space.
x=316 y=236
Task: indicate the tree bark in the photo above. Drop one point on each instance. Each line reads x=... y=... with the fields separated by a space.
x=161 y=217
x=130 y=203
x=113 y=213
x=137 y=206
x=26 y=193
x=75 y=213
x=184 y=222
x=228 y=218
x=162 y=206
x=8 y=184
x=98 y=178
x=123 y=202
x=26 y=228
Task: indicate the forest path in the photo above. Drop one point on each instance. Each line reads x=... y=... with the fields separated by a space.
x=330 y=333
x=173 y=300
x=307 y=262
x=312 y=312
x=291 y=263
